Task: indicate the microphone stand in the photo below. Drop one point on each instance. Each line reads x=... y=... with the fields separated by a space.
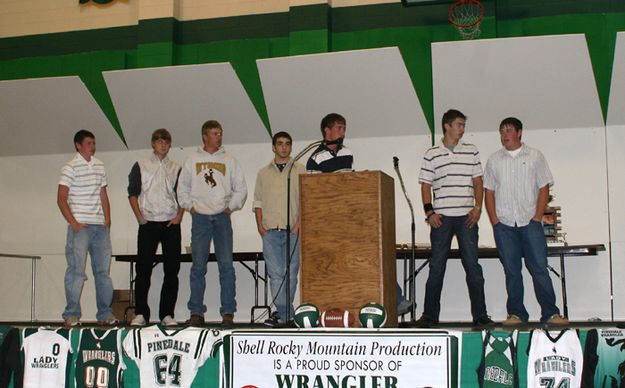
x=287 y=279
x=413 y=247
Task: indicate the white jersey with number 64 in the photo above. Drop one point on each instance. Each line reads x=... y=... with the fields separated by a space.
x=169 y=358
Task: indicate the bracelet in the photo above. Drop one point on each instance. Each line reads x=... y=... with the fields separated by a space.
x=427 y=207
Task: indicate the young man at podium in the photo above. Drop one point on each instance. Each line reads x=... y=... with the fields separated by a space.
x=452 y=193
x=331 y=155
x=270 y=208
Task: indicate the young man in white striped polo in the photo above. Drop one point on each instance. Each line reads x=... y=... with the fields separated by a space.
x=517 y=181
x=83 y=201
x=452 y=193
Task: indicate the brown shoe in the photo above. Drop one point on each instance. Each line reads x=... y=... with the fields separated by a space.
x=109 y=321
x=227 y=320
x=71 y=321
x=512 y=320
x=195 y=320
x=557 y=320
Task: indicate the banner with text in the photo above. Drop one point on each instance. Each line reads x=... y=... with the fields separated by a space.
x=342 y=359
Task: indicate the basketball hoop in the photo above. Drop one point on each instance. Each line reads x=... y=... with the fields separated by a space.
x=467 y=16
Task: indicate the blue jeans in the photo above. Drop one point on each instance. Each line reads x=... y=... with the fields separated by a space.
x=399 y=295
x=274 y=254
x=528 y=241
x=95 y=240
x=440 y=239
x=217 y=228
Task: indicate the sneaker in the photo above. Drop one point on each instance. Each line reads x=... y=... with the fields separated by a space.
x=227 y=320
x=195 y=320
x=512 y=320
x=109 y=321
x=169 y=321
x=72 y=321
x=425 y=321
x=404 y=307
x=273 y=320
x=557 y=320
x=138 y=320
x=483 y=321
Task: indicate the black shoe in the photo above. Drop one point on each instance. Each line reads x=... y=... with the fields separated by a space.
x=404 y=307
x=483 y=321
x=273 y=320
x=425 y=321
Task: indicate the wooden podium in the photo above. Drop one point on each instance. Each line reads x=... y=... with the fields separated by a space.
x=348 y=241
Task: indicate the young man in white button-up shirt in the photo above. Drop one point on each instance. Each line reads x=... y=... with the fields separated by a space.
x=516 y=182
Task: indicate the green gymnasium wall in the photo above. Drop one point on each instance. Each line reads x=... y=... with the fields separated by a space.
x=241 y=40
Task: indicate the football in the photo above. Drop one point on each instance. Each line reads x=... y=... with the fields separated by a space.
x=337 y=318
x=306 y=316
x=372 y=315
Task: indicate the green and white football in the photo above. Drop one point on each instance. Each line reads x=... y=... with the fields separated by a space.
x=372 y=315
x=307 y=316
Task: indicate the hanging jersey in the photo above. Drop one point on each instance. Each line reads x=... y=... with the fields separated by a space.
x=169 y=358
x=45 y=357
x=99 y=363
x=11 y=360
x=555 y=359
x=4 y=330
x=498 y=367
x=604 y=358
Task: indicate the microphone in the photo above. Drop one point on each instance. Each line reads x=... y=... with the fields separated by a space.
x=338 y=141
x=395 y=162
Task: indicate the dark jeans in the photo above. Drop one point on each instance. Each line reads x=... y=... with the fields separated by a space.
x=528 y=241
x=440 y=239
x=150 y=235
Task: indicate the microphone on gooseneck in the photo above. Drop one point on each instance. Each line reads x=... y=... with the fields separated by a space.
x=338 y=141
x=395 y=162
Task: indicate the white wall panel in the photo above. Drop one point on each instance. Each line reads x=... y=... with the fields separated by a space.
x=40 y=116
x=371 y=88
x=181 y=99
x=616 y=142
x=547 y=81
x=616 y=113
